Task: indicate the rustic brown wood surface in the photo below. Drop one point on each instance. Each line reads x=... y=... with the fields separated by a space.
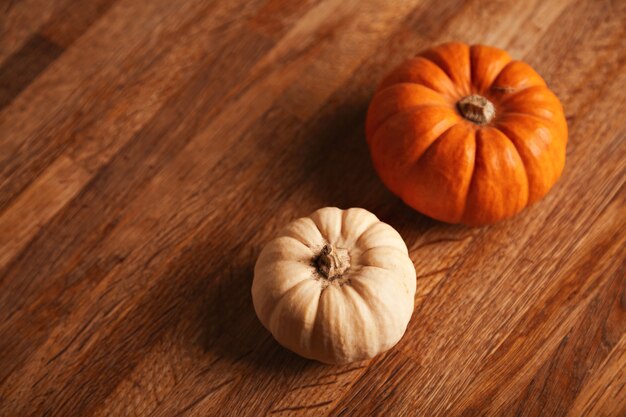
x=148 y=150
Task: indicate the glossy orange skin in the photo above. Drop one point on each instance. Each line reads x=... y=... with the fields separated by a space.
x=450 y=168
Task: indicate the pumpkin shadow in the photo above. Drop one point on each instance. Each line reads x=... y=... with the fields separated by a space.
x=232 y=330
x=336 y=157
x=334 y=168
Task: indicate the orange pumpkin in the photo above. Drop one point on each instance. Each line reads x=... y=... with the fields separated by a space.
x=465 y=134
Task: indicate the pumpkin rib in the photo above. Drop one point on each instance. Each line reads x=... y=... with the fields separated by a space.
x=504 y=100
x=442 y=69
x=404 y=190
x=407 y=110
x=318 y=220
x=551 y=156
x=408 y=83
x=300 y=275
x=402 y=74
x=353 y=218
x=275 y=308
x=541 y=103
x=519 y=154
x=551 y=124
x=378 y=247
x=364 y=232
x=436 y=139
x=398 y=97
x=449 y=59
x=397 y=280
x=364 y=277
x=274 y=251
x=499 y=193
x=405 y=281
x=284 y=263
x=387 y=229
x=298 y=241
x=477 y=55
x=503 y=97
x=335 y=338
x=289 y=232
x=360 y=283
x=411 y=110
x=500 y=73
x=534 y=116
x=356 y=298
x=472 y=177
x=316 y=321
x=440 y=193
x=379 y=306
x=532 y=77
x=436 y=120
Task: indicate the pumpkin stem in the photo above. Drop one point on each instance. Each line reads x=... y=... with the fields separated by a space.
x=477 y=109
x=333 y=262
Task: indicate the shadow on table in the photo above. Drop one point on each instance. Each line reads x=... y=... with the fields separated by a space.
x=335 y=156
x=233 y=331
x=331 y=162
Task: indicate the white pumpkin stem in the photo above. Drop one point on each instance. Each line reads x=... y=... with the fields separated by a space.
x=477 y=109
x=333 y=262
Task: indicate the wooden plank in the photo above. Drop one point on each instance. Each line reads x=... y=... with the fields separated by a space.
x=72 y=19
x=91 y=214
x=78 y=87
x=37 y=205
x=354 y=38
x=603 y=395
x=24 y=66
x=20 y=21
x=545 y=331
x=276 y=17
x=94 y=145
x=593 y=343
x=45 y=30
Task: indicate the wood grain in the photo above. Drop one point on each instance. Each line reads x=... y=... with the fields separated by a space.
x=148 y=150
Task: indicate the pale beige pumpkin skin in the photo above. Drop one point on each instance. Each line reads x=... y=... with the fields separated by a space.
x=337 y=286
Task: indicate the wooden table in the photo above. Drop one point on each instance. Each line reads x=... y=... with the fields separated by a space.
x=150 y=148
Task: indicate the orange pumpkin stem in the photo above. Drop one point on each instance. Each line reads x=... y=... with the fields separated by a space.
x=477 y=109
x=333 y=262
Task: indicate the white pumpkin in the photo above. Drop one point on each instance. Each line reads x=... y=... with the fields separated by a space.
x=337 y=286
